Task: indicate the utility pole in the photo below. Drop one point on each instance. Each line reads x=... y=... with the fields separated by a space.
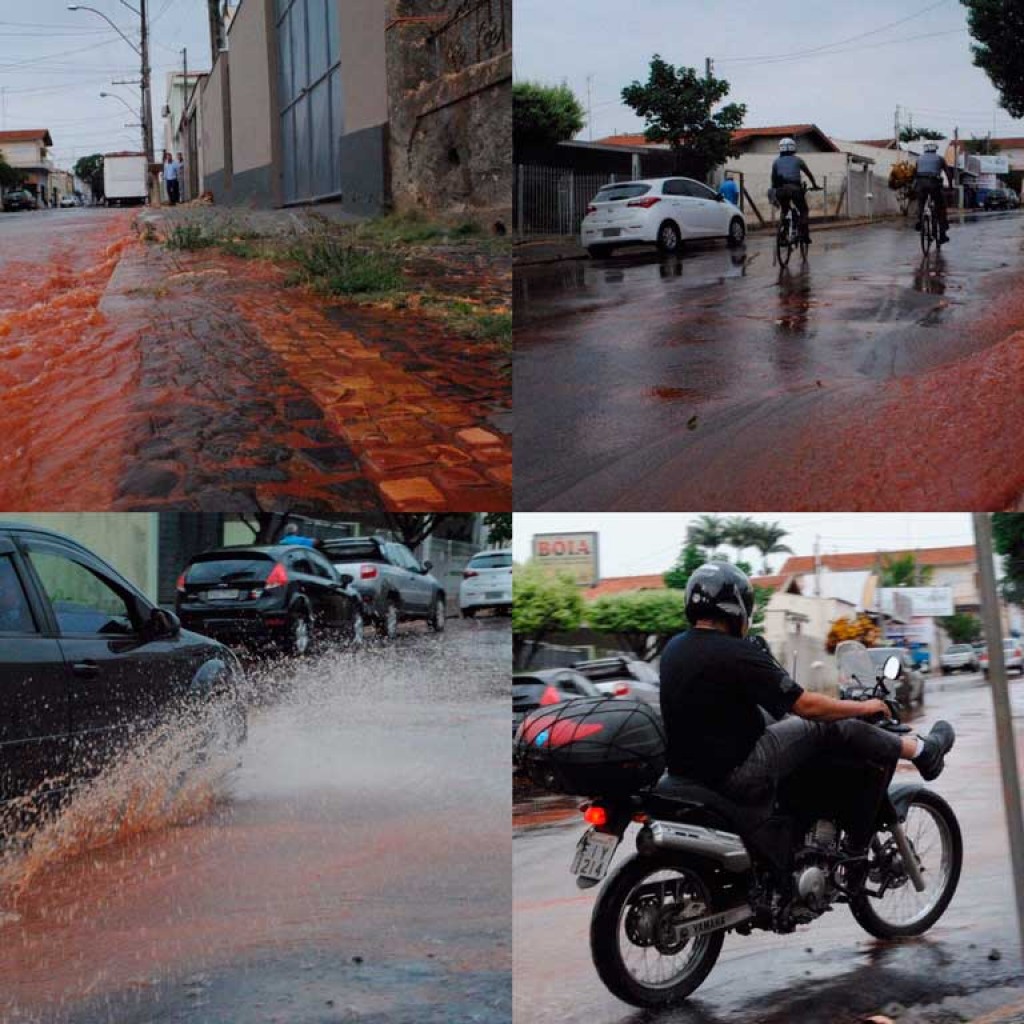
x=1001 y=705
x=896 y=127
x=590 y=114
x=216 y=29
x=708 y=66
x=817 y=566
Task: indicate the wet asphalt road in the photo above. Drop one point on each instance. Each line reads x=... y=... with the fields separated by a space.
x=354 y=868
x=829 y=972
x=23 y=233
x=643 y=382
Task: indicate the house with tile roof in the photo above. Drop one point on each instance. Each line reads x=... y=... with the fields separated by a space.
x=27 y=149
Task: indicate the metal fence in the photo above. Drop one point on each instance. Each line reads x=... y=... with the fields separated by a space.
x=553 y=200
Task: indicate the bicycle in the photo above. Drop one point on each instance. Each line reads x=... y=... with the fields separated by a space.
x=790 y=234
x=929 y=229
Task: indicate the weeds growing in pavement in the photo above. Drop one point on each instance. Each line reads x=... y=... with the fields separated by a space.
x=338 y=268
x=188 y=237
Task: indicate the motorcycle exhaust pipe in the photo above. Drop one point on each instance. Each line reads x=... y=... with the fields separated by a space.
x=724 y=847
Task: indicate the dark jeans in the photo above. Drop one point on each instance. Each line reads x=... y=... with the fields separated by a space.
x=794 y=194
x=934 y=189
x=173 y=191
x=788 y=745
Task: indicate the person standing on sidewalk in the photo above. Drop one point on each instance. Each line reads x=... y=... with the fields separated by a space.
x=180 y=163
x=171 y=178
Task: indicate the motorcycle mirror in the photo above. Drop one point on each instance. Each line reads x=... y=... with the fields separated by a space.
x=892 y=668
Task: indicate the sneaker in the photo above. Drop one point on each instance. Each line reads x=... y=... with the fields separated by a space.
x=937 y=744
x=943 y=238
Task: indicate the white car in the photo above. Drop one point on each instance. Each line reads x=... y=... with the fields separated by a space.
x=486 y=583
x=66 y=202
x=658 y=211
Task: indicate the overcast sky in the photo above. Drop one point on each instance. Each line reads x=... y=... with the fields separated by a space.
x=54 y=63
x=863 y=63
x=642 y=543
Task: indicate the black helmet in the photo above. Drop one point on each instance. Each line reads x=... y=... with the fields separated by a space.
x=718 y=590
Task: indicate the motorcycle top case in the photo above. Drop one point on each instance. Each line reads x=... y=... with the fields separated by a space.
x=594 y=746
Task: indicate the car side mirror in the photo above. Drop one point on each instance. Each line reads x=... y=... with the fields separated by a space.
x=892 y=668
x=720 y=197
x=346 y=579
x=164 y=623
x=427 y=566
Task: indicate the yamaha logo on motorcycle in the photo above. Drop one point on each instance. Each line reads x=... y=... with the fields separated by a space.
x=705 y=865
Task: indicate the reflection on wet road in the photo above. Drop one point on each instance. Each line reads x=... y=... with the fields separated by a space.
x=356 y=867
x=638 y=380
x=827 y=972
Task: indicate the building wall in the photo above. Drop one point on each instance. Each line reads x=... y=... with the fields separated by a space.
x=212 y=122
x=19 y=154
x=450 y=85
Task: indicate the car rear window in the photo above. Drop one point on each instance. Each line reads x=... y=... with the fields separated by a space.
x=491 y=560
x=221 y=569
x=611 y=193
x=355 y=551
x=960 y=649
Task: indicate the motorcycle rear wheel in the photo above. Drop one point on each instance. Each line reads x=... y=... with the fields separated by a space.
x=622 y=932
x=903 y=911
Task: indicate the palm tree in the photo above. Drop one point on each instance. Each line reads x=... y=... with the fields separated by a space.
x=903 y=571
x=767 y=540
x=707 y=533
x=741 y=532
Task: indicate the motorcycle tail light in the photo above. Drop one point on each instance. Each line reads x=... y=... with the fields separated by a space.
x=595 y=815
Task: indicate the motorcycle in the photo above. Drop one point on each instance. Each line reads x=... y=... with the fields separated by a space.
x=705 y=866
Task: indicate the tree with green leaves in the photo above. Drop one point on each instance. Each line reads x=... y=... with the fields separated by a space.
x=708 y=532
x=741 y=533
x=997 y=27
x=642 y=622
x=986 y=146
x=544 y=115
x=767 y=537
x=677 y=105
x=690 y=559
x=1008 y=540
x=961 y=628
x=543 y=603
x=90 y=169
x=499 y=527
x=912 y=134
x=904 y=571
x=10 y=177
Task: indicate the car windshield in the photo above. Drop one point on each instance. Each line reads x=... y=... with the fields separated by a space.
x=226 y=568
x=491 y=560
x=613 y=193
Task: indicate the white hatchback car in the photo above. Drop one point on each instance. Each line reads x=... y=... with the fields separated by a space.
x=486 y=583
x=658 y=211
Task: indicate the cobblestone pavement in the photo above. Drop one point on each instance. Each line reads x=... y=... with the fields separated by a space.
x=194 y=380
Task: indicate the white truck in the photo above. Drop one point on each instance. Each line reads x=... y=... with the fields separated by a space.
x=125 y=178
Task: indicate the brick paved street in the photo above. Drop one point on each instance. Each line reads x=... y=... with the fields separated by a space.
x=148 y=378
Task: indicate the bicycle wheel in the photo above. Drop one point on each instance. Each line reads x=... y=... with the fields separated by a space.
x=783 y=247
x=926 y=231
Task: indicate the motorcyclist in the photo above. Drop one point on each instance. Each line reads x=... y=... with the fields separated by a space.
x=786 y=170
x=714 y=685
x=928 y=182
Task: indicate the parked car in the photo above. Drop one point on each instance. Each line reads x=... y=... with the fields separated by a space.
x=997 y=199
x=1013 y=656
x=87 y=662
x=67 y=202
x=623 y=677
x=392 y=583
x=279 y=594
x=959 y=658
x=532 y=690
x=909 y=687
x=658 y=211
x=20 y=199
x=486 y=583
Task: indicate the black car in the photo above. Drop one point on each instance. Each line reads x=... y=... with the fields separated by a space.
x=87 y=662
x=532 y=690
x=998 y=199
x=285 y=594
x=20 y=199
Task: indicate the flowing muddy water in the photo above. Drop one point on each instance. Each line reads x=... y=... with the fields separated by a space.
x=357 y=860
x=64 y=365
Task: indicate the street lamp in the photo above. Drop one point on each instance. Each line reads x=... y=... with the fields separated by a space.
x=121 y=99
x=143 y=53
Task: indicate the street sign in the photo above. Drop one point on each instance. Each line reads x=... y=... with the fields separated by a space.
x=921 y=602
x=572 y=553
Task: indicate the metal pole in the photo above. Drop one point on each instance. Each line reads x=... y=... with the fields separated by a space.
x=147 y=102
x=216 y=29
x=1003 y=714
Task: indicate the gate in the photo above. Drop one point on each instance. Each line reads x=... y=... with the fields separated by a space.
x=309 y=47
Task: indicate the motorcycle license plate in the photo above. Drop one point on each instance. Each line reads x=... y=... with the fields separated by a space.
x=594 y=853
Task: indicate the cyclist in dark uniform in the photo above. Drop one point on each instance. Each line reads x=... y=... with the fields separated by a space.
x=714 y=685
x=786 y=181
x=928 y=182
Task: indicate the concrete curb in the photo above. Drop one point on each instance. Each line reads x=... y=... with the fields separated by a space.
x=1013 y=1013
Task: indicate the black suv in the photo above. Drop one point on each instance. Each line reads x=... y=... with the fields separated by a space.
x=20 y=199
x=86 y=662
x=285 y=594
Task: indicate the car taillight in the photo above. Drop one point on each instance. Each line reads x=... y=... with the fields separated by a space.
x=595 y=815
x=368 y=572
x=180 y=585
x=621 y=690
x=550 y=696
x=277 y=578
x=468 y=574
x=647 y=202
x=591 y=209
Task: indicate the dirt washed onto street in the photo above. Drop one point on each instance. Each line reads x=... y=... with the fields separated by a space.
x=353 y=868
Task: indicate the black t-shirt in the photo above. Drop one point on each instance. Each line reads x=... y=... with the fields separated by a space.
x=712 y=689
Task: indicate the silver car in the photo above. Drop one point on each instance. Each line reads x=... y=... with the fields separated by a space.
x=959 y=658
